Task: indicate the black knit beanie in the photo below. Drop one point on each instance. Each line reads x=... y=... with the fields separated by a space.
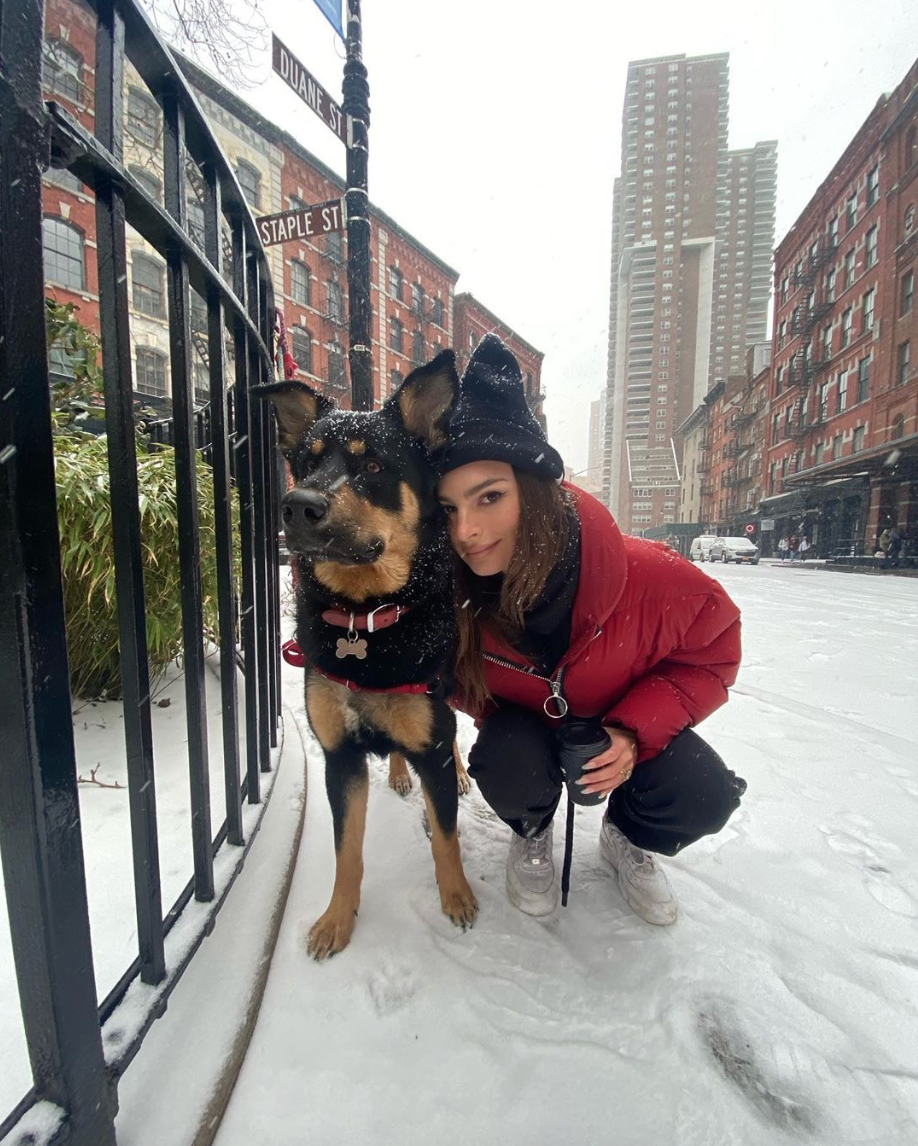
x=491 y=420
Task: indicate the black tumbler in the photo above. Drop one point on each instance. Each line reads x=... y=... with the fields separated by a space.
x=579 y=740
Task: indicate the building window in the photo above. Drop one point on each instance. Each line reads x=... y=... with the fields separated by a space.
x=63 y=246
x=63 y=361
x=851 y=212
x=873 y=186
x=842 y=391
x=871 y=247
x=334 y=246
x=148 y=181
x=911 y=147
x=824 y=402
x=395 y=335
x=830 y=286
x=437 y=313
x=782 y=335
x=847 y=322
x=395 y=283
x=61 y=177
x=395 y=380
x=857 y=440
x=250 y=181
x=142 y=118
x=867 y=311
x=417 y=298
x=335 y=301
x=898 y=428
x=785 y=287
x=906 y=293
x=849 y=267
x=150 y=377
x=300 y=290
x=62 y=70
x=201 y=382
x=417 y=348
x=194 y=221
x=833 y=232
x=863 y=379
x=904 y=357
x=301 y=348
x=817 y=453
x=336 y=365
x=827 y=343
x=148 y=293
x=473 y=340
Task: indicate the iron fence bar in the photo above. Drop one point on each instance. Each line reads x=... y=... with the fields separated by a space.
x=82 y=154
x=256 y=300
x=242 y=449
x=123 y=483
x=40 y=840
x=187 y=501
x=223 y=520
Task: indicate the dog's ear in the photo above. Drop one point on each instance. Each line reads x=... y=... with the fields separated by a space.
x=297 y=408
x=425 y=400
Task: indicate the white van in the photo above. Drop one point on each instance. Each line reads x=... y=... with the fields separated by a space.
x=701 y=547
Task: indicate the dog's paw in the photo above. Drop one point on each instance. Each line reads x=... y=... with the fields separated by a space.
x=330 y=934
x=400 y=782
x=465 y=784
x=460 y=904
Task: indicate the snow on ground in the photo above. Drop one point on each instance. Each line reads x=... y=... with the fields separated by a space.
x=780 y=1008
x=104 y=811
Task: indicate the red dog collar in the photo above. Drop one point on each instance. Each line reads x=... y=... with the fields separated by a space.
x=294 y=655
x=380 y=618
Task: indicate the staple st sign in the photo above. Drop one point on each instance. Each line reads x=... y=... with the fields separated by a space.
x=303 y=223
x=310 y=91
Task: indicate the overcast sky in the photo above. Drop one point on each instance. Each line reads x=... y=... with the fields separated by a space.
x=496 y=125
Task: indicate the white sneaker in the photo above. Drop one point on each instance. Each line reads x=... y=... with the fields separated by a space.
x=532 y=884
x=642 y=881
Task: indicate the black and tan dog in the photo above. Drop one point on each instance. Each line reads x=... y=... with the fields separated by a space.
x=375 y=620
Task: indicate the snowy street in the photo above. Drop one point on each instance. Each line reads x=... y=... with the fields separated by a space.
x=780 y=1007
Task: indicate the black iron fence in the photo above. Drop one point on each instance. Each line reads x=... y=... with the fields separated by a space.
x=40 y=837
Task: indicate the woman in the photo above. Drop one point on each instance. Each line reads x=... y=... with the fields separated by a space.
x=559 y=614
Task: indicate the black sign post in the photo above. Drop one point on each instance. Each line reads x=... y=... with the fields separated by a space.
x=356 y=105
x=351 y=123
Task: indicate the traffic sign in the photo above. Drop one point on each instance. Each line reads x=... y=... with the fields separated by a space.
x=750 y=528
x=308 y=88
x=768 y=524
x=303 y=223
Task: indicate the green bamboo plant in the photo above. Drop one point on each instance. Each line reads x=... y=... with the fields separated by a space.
x=87 y=556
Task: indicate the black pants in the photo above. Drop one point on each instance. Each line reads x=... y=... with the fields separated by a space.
x=670 y=801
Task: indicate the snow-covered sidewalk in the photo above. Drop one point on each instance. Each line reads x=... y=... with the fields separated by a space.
x=780 y=1008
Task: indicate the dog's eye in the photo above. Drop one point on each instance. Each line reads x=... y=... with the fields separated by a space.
x=371 y=467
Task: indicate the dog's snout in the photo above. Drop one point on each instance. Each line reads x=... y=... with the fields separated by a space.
x=303 y=507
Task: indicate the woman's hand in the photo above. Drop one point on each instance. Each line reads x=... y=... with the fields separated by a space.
x=605 y=772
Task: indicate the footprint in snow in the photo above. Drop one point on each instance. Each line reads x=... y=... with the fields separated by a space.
x=731 y=1048
x=391 y=989
x=878 y=879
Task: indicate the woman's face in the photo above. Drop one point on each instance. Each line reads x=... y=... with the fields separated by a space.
x=482 y=504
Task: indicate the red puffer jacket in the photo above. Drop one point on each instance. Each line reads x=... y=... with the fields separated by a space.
x=655 y=643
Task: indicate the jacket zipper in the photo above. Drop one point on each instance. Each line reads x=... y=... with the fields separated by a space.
x=554 y=683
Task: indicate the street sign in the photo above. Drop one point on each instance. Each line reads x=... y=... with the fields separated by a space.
x=768 y=524
x=310 y=91
x=750 y=528
x=331 y=10
x=303 y=223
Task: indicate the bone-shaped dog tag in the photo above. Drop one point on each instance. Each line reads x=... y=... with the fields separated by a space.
x=348 y=648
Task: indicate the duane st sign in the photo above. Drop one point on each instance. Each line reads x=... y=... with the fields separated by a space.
x=303 y=223
x=310 y=91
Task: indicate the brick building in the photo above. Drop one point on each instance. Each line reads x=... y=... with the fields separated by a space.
x=412 y=289
x=842 y=436
x=472 y=321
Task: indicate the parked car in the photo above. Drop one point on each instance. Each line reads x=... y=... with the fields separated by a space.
x=701 y=547
x=738 y=549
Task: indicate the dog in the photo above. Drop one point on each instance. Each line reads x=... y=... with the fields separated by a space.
x=375 y=622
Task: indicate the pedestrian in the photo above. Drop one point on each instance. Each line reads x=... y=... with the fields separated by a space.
x=783 y=546
x=576 y=643
x=883 y=544
x=803 y=547
x=895 y=547
x=793 y=544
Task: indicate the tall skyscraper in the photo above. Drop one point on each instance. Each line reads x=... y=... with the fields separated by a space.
x=692 y=233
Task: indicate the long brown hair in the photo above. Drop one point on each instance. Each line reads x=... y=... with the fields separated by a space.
x=544 y=527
